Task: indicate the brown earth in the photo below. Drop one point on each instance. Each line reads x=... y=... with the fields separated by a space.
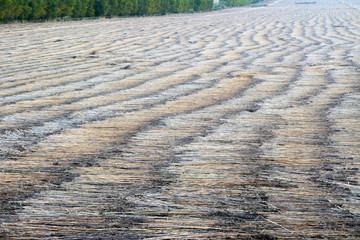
x=241 y=123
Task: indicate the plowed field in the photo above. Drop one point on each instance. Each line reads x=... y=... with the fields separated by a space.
x=238 y=123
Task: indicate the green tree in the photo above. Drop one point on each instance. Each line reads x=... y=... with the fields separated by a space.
x=101 y=7
x=38 y=9
x=200 y=5
x=24 y=10
x=5 y=6
x=165 y=6
x=51 y=8
x=80 y=9
x=90 y=12
x=141 y=7
x=113 y=8
x=65 y=7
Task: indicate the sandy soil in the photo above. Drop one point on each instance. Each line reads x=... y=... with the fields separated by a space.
x=239 y=123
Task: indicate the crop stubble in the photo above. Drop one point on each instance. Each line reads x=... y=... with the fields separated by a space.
x=235 y=123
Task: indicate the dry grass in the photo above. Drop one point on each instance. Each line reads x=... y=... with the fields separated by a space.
x=240 y=123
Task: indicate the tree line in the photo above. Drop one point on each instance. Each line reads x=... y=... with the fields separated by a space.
x=11 y=10
x=234 y=3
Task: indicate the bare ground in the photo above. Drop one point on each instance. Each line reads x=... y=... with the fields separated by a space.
x=241 y=123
